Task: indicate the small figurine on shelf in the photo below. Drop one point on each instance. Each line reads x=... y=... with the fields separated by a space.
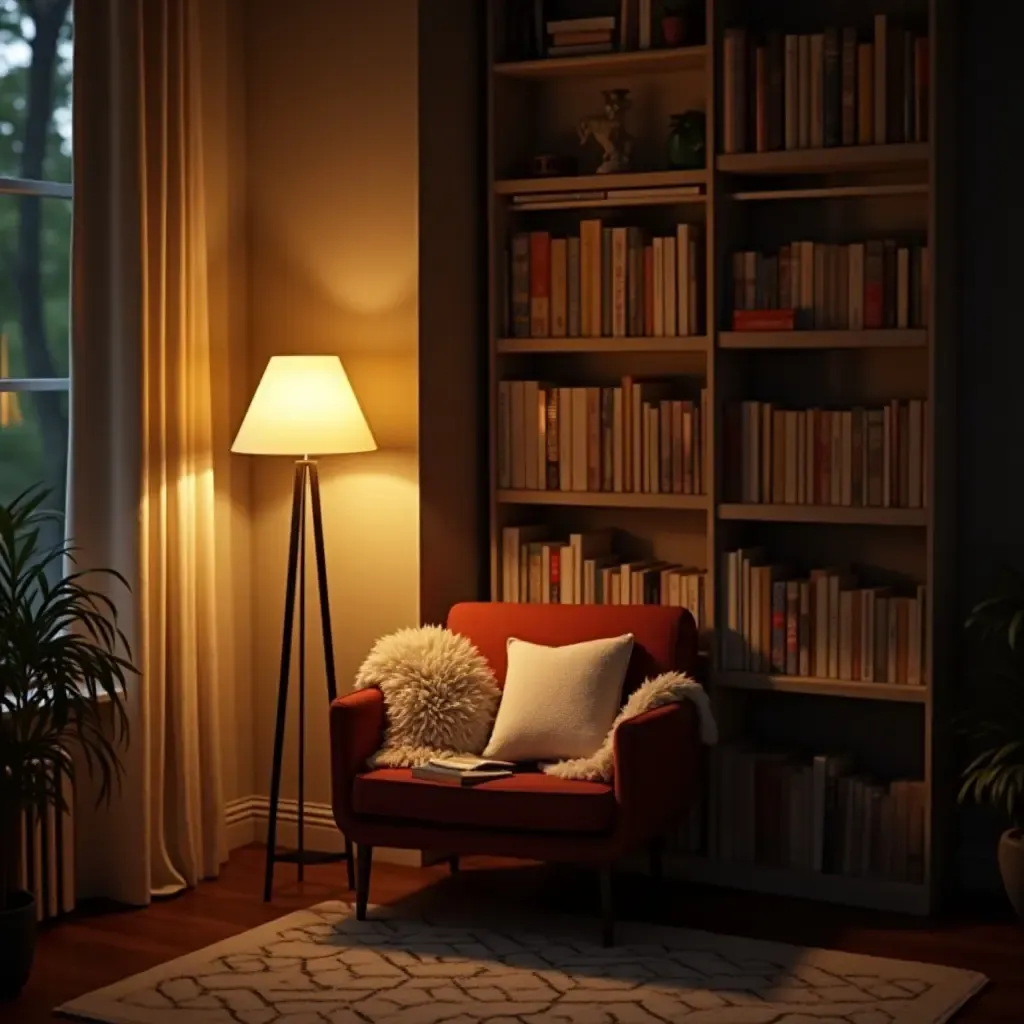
x=609 y=131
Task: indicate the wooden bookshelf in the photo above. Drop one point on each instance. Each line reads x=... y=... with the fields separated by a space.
x=822 y=687
x=523 y=346
x=602 y=499
x=837 y=159
x=637 y=62
x=871 y=893
x=906 y=338
x=753 y=201
x=839 y=515
x=599 y=183
x=777 y=195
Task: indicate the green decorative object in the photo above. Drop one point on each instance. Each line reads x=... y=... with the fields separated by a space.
x=686 y=141
x=994 y=725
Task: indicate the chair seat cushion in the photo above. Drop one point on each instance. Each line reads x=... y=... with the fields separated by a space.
x=526 y=801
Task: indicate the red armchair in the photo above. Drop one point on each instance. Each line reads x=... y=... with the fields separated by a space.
x=531 y=815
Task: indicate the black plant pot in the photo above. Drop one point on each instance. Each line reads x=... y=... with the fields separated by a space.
x=17 y=943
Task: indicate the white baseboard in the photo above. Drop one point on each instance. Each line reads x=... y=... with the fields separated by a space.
x=246 y=819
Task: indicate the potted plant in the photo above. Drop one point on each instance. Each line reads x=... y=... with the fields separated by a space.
x=673 y=22
x=64 y=663
x=995 y=726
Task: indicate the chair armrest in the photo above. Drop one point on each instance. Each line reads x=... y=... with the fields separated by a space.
x=357 y=731
x=657 y=758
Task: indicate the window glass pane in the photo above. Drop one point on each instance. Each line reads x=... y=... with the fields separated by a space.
x=35 y=108
x=35 y=287
x=33 y=443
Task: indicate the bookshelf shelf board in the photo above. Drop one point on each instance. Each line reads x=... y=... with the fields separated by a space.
x=523 y=346
x=609 y=204
x=823 y=687
x=600 y=182
x=591 y=65
x=840 y=515
x=826 y=161
x=601 y=499
x=875 y=893
x=836 y=192
x=824 y=339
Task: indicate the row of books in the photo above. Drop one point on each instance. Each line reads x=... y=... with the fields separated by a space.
x=816 y=814
x=864 y=285
x=537 y=568
x=638 y=437
x=822 y=625
x=573 y=37
x=860 y=458
x=824 y=89
x=611 y=282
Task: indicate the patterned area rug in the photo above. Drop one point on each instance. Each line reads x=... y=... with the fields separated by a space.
x=321 y=966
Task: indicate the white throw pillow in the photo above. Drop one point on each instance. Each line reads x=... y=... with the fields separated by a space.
x=559 y=702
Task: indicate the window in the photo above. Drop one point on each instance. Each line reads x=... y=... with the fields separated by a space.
x=35 y=244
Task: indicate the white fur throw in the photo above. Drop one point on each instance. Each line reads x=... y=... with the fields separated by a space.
x=439 y=693
x=668 y=688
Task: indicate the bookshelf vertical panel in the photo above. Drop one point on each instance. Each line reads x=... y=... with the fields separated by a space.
x=494 y=244
x=712 y=433
x=943 y=317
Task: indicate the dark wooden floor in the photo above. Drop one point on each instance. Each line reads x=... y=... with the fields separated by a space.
x=101 y=945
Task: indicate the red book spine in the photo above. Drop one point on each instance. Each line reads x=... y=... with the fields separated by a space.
x=763 y=319
x=555 y=557
x=540 y=284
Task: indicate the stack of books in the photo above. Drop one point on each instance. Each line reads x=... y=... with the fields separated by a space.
x=781 y=810
x=822 y=624
x=462 y=770
x=818 y=285
x=575 y=37
x=830 y=88
x=583 y=569
x=859 y=458
x=640 y=437
x=612 y=282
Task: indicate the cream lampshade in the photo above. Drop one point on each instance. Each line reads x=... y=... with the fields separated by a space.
x=304 y=405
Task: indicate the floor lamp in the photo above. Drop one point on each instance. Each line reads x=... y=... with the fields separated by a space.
x=304 y=406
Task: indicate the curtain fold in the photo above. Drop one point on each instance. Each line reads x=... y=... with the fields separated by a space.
x=142 y=495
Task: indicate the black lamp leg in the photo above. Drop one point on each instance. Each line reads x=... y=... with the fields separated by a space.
x=321 y=577
x=282 y=688
x=325 y=622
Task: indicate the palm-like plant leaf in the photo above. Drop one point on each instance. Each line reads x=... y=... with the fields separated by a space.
x=995 y=724
x=64 y=667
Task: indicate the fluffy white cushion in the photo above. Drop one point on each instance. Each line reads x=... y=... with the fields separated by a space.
x=439 y=693
x=668 y=688
x=559 y=701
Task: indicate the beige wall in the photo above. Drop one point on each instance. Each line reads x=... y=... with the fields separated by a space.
x=226 y=225
x=332 y=157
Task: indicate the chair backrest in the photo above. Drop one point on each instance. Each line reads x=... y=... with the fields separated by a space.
x=665 y=638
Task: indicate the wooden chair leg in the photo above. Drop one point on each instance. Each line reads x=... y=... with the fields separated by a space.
x=453 y=863
x=350 y=863
x=607 y=907
x=364 y=857
x=655 y=852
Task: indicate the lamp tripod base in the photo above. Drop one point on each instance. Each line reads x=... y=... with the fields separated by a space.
x=306 y=479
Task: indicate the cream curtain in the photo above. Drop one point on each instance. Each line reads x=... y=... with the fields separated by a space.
x=144 y=460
